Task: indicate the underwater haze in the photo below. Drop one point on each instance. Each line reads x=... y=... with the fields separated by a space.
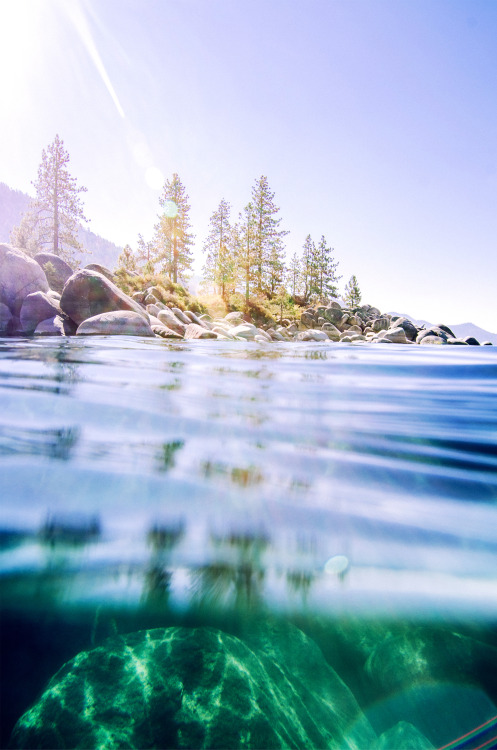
x=227 y=544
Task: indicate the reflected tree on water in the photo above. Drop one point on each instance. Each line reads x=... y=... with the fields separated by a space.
x=161 y=539
x=236 y=578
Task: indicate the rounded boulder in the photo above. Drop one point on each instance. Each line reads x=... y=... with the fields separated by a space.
x=20 y=275
x=88 y=293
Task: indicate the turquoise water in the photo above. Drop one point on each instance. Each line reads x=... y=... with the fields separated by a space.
x=344 y=492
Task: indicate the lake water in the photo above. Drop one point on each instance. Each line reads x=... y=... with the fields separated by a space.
x=343 y=495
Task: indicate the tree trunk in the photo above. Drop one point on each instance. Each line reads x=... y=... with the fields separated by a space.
x=55 y=216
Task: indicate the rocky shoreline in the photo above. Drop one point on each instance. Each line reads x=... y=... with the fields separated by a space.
x=44 y=296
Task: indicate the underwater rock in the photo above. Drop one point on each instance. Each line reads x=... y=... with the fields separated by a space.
x=197 y=688
x=403 y=735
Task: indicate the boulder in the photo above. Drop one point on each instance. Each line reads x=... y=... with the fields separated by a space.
x=457 y=342
x=116 y=323
x=486 y=343
x=395 y=335
x=403 y=735
x=307 y=320
x=56 y=270
x=152 y=309
x=197 y=687
x=88 y=293
x=5 y=318
x=171 y=321
x=333 y=314
x=380 y=324
x=36 y=307
x=447 y=330
x=164 y=332
x=234 y=317
x=471 y=341
x=195 y=319
x=245 y=330
x=431 y=339
x=181 y=315
x=409 y=328
x=331 y=331
x=50 y=327
x=433 y=331
x=194 y=331
x=20 y=275
x=101 y=269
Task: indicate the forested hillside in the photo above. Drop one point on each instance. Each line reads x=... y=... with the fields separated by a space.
x=13 y=203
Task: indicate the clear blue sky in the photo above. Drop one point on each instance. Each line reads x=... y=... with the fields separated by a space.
x=375 y=122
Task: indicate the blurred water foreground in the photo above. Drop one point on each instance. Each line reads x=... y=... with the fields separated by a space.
x=224 y=544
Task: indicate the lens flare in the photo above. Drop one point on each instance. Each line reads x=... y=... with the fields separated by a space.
x=170 y=209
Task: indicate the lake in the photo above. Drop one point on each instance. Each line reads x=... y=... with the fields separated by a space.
x=316 y=522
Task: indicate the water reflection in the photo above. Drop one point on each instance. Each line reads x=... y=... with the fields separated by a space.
x=166 y=457
x=235 y=579
x=73 y=530
x=54 y=443
x=162 y=538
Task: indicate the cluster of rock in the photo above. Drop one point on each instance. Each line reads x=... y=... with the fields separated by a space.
x=366 y=323
x=44 y=296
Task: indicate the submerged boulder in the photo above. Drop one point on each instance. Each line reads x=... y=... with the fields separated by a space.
x=197 y=688
x=20 y=275
x=88 y=293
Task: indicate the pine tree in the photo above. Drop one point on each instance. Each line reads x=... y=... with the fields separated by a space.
x=244 y=243
x=294 y=275
x=326 y=271
x=146 y=252
x=352 y=292
x=173 y=239
x=127 y=260
x=220 y=266
x=54 y=216
x=308 y=268
x=268 y=238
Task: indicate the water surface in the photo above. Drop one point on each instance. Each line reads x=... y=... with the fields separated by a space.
x=334 y=486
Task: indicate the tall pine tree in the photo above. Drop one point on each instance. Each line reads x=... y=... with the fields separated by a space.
x=326 y=266
x=244 y=241
x=173 y=238
x=54 y=216
x=220 y=262
x=268 y=238
x=352 y=292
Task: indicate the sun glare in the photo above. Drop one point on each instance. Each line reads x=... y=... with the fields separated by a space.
x=21 y=22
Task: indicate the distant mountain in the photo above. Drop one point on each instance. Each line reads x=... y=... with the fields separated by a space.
x=461 y=330
x=13 y=203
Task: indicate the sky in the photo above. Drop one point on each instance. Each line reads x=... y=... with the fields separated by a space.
x=375 y=122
